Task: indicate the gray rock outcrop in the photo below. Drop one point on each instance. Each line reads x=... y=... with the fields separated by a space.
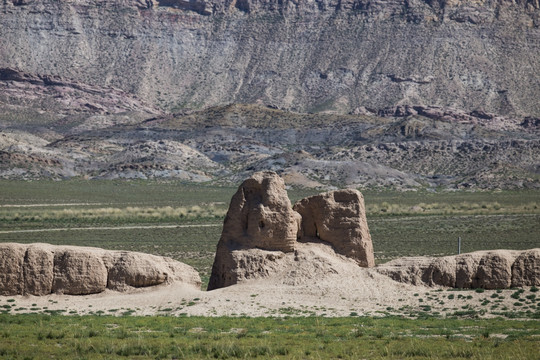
x=301 y=55
x=496 y=269
x=42 y=269
x=339 y=218
x=261 y=226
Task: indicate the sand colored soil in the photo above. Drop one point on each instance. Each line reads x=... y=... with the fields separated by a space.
x=313 y=280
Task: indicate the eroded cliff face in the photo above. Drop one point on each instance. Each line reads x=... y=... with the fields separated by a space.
x=312 y=55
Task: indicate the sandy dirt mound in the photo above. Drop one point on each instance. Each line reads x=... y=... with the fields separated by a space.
x=312 y=280
x=42 y=269
x=497 y=269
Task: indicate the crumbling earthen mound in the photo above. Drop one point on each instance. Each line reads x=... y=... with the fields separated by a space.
x=339 y=218
x=262 y=234
x=496 y=269
x=261 y=226
x=260 y=215
x=42 y=269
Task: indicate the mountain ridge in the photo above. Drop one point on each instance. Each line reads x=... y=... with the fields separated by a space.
x=305 y=56
x=348 y=93
x=47 y=130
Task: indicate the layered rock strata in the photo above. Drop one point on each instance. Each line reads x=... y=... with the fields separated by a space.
x=497 y=269
x=306 y=56
x=261 y=226
x=42 y=269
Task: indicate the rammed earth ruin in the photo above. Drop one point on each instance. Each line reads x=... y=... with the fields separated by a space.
x=261 y=227
x=263 y=237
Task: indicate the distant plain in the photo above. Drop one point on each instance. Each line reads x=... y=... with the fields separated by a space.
x=184 y=221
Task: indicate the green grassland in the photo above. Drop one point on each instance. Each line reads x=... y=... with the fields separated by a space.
x=106 y=337
x=183 y=221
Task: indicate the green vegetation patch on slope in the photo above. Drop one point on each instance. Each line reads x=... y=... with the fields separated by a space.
x=260 y=117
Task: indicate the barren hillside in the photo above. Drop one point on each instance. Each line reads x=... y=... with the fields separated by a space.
x=346 y=93
x=308 y=56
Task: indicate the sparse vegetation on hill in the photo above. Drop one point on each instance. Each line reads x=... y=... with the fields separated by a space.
x=225 y=144
x=260 y=117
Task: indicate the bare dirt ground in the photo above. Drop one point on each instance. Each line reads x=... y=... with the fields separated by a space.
x=317 y=285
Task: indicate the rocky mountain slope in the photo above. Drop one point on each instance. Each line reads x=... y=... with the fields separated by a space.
x=326 y=92
x=307 y=56
x=403 y=148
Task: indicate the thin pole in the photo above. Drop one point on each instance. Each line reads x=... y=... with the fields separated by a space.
x=459 y=245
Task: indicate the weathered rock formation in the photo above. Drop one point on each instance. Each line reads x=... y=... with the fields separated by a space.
x=41 y=269
x=299 y=55
x=497 y=269
x=339 y=218
x=260 y=215
x=260 y=227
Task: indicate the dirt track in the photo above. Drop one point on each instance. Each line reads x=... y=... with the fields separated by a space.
x=109 y=228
